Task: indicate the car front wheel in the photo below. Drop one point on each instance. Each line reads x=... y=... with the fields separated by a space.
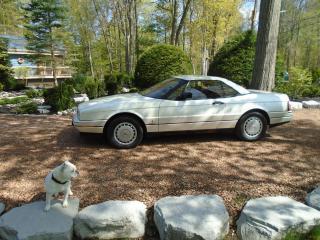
x=124 y=132
x=252 y=126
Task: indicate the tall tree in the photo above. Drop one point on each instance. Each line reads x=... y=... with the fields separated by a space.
x=266 y=47
x=6 y=73
x=44 y=19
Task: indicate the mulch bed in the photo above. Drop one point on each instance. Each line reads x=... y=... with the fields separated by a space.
x=286 y=162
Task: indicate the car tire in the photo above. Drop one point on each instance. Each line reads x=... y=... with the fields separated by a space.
x=124 y=132
x=251 y=126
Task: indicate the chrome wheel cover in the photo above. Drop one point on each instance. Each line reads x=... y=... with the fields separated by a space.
x=125 y=133
x=253 y=127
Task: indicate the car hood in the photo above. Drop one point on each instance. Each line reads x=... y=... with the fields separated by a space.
x=123 y=101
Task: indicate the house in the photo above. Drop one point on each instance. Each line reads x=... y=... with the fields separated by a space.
x=34 y=73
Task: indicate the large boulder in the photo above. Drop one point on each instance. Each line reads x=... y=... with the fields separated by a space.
x=296 y=105
x=31 y=222
x=272 y=217
x=2 y=207
x=311 y=104
x=202 y=217
x=313 y=199
x=111 y=219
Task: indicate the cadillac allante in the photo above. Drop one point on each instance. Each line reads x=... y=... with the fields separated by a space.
x=183 y=103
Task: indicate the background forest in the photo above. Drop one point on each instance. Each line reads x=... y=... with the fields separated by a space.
x=107 y=40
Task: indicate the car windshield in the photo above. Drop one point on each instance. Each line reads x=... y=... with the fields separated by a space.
x=164 y=89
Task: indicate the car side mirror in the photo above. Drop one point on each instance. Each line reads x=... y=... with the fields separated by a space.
x=185 y=95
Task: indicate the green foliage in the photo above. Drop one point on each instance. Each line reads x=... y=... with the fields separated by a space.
x=313 y=234
x=15 y=100
x=299 y=83
x=235 y=60
x=59 y=97
x=115 y=82
x=1 y=87
x=6 y=72
x=78 y=82
x=94 y=88
x=159 y=63
x=27 y=108
x=32 y=93
x=316 y=75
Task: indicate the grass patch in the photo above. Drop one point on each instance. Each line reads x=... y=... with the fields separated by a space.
x=15 y=100
x=313 y=234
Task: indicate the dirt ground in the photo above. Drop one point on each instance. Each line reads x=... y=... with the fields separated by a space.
x=286 y=162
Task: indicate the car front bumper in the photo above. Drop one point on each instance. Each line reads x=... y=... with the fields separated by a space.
x=95 y=126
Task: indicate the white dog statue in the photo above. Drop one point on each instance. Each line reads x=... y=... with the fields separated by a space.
x=59 y=181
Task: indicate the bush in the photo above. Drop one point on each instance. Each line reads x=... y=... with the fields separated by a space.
x=235 y=60
x=115 y=82
x=1 y=87
x=27 y=108
x=94 y=88
x=78 y=82
x=299 y=83
x=32 y=93
x=159 y=63
x=60 y=97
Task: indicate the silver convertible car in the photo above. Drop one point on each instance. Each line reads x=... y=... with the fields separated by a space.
x=183 y=103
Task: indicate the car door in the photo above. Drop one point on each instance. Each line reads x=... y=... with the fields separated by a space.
x=204 y=110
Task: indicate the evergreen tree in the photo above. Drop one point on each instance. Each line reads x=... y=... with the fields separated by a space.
x=6 y=72
x=44 y=19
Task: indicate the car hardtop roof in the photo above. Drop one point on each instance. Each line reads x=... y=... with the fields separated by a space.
x=237 y=87
x=198 y=77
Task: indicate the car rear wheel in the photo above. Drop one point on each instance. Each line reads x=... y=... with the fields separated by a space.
x=124 y=132
x=252 y=126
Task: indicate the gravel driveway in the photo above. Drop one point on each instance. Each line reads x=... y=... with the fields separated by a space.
x=286 y=162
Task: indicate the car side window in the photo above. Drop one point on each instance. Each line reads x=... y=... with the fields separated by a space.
x=210 y=89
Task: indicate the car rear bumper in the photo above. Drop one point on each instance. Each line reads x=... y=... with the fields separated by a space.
x=279 y=120
x=88 y=126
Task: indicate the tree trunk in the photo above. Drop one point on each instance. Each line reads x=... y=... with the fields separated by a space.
x=181 y=24
x=266 y=46
x=173 y=21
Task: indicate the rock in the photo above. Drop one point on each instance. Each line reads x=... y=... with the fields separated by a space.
x=43 y=111
x=200 y=217
x=79 y=98
x=272 y=217
x=313 y=199
x=311 y=104
x=64 y=113
x=47 y=107
x=111 y=219
x=59 y=113
x=2 y=207
x=31 y=222
x=296 y=105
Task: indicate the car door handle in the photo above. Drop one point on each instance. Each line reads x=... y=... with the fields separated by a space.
x=217 y=103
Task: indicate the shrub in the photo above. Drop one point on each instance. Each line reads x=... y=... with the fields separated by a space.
x=27 y=108
x=60 y=97
x=78 y=82
x=94 y=88
x=159 y=63
x=235 y=60
x=1 y=87
x=298 y=85
x=115 y=82
x=6 y=72
x=32 y=93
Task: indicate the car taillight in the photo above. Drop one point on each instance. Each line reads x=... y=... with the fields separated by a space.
x=289 y=107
